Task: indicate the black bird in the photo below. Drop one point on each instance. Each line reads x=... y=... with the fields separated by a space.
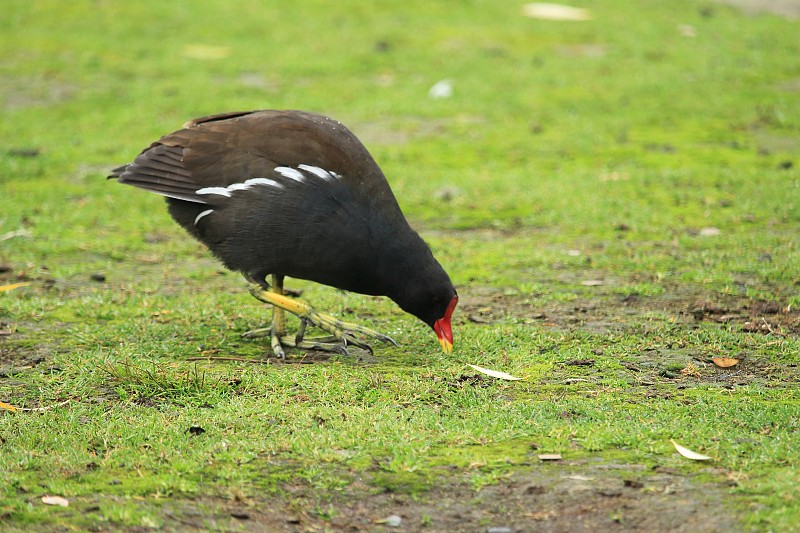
x=290 y=193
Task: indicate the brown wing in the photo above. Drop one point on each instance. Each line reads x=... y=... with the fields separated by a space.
x=221 y=150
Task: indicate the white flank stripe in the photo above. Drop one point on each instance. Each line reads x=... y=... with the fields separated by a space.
x=291 y=173
x=201 y=215
x=226 y=191
x=263 y=181
x=239 y=186
x=319 y=172
x=222 y=191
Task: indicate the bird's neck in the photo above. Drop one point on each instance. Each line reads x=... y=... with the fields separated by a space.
x=405 y=265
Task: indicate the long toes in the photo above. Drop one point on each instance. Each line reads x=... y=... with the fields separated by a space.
x=374 y=334
x=349 y=339
x=257 y=333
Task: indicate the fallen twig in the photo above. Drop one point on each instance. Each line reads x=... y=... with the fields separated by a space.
x=769 y=328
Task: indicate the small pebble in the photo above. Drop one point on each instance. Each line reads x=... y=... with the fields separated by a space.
x=499 y=530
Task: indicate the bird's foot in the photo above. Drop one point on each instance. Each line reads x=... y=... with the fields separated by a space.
x=341 y=333
x=279 y=342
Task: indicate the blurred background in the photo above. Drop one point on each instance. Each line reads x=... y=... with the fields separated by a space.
x=480 y=112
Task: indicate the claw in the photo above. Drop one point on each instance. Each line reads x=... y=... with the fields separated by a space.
x=386 y=338
x=275 y=342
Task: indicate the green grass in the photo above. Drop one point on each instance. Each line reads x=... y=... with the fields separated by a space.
x=568 y=152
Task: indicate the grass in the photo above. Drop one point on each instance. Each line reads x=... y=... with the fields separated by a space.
x=569 y=152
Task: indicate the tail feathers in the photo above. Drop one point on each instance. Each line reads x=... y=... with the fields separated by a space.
x=159 y=169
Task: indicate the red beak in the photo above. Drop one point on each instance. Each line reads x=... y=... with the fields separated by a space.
x=443 y=329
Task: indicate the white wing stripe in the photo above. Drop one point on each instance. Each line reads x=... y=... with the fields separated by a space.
x=287 y=172
x=319 y=172
x=222 y=191
x=291 y=173
x=262 y=181
x=226 y=191
x=201 y=215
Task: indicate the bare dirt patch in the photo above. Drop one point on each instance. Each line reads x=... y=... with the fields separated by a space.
x=669 y=359
x=609 y=312
x=568 y=496
x=789 y=9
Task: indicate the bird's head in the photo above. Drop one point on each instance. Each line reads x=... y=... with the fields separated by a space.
x=442 y=326
x=435 y=308
x=416 y=281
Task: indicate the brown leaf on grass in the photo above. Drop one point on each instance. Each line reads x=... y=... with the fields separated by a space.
x=689 y=454
x=13 y=286
x=709 y=232
x=8 y=407
x=691 y=369
x=541 y=515
x=55 y=500
x=724 y=362
x=550 y=457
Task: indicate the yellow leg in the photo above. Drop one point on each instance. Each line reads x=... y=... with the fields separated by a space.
x=340 y=331
x=278 y=319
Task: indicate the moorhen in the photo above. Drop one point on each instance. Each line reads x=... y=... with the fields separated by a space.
x=290 y=193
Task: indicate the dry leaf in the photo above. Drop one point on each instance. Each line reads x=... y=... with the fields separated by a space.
x=725 y=362
x=689 y=454
x=546 y=11
x=391 y=521
x=550 y=457
x=494 y=373
x=687 y=30
x=8 y=407
x=16 y=233
x=691 y=369
x=13 y=286
x=709 y=232
x=205 y=52
x=55 y=500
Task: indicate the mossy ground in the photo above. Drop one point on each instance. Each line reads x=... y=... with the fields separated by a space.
x=617 y=201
